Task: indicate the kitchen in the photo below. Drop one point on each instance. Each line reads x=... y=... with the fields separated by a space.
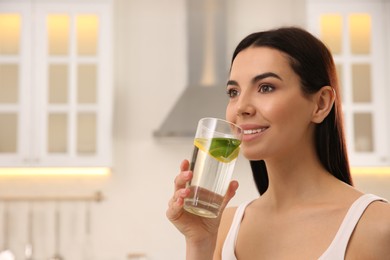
x=121 y=214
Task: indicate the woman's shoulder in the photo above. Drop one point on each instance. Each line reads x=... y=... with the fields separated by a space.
x=377 y=217
x=373 y=230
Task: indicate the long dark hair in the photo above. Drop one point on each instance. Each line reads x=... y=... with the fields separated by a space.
x=313 y=63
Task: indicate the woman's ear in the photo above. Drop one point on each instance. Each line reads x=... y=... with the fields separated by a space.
x=324 y=100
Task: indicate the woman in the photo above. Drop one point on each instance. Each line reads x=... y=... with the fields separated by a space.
x=284 y=93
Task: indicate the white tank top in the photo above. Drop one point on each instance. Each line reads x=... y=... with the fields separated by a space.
x=336 y=250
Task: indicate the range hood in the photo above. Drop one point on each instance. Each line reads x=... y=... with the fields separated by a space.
x=204 y=96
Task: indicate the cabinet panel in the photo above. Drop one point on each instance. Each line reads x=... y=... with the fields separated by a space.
x=87 y=30
x=58 y=84
x=9 y=82
x=10 y=30
x=361 y=83
x=58 y=34
x=364 y=139
x=8 y=137
x=331 y=31
x=86 y=133
x=57 y=137
x=87 y=84
x=360 y=33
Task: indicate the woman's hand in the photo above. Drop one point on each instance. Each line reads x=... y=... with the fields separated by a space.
x=198 y=231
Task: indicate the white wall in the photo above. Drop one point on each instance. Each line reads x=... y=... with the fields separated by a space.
x=150 y=73
x=150 y=76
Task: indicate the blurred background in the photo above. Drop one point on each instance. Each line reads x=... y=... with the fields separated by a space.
x=99 y=100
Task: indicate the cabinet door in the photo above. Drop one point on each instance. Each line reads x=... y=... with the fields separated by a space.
x=55 y=83
x=354 y=33
x=74 y=81
x=15 y=78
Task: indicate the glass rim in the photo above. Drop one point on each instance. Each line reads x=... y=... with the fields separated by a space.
x=238 y=134
x=220 y=119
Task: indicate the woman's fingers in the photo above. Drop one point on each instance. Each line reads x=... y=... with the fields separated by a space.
x=175 y=208
x=179 y=196
x=184 y=166
x=175 y=204
x=184 y=176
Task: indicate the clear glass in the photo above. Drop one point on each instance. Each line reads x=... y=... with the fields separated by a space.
x=331 y=26
x=8 y=133
x=86 y=133
x=216 y=147
x=363 y=127
x=58 y=30
x=360 y=33
x=58 y=83
x=10 y=29
x=9 y=83
x=361 y=83
x=57 y=133
x=86 y=83
x=87 y=34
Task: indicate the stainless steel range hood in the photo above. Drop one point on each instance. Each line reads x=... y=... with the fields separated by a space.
x=204 y=95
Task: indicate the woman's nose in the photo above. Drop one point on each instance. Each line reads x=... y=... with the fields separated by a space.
x=245 y=106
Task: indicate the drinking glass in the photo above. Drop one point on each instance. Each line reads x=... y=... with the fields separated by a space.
x=216 y=147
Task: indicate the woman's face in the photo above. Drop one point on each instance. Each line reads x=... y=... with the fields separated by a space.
x=266 y=100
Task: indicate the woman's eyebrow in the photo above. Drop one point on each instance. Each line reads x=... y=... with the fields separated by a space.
x=232 y=82
x=266 y=75
x=257 y=78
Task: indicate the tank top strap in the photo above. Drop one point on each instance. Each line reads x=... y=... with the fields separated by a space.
x=338 y=247
x=229 y=245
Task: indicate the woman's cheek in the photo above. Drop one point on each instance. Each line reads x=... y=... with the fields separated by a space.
x=230 y=113
x=272 y=110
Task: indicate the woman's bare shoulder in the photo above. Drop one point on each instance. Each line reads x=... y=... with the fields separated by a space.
x=374 y=229
x=377 y=216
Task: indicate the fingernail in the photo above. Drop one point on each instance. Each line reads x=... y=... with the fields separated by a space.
x=179 y=201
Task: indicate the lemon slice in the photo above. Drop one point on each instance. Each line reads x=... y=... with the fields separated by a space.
x=222 y=149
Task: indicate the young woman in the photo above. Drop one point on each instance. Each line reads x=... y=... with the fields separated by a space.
x=284 y=93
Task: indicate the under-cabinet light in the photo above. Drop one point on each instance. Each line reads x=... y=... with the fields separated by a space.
x=55 y=171
x=370 y=171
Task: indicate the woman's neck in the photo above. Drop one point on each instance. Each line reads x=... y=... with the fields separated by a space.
x=297 y=177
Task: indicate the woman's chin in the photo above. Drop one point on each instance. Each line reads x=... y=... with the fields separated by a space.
x=252 y=156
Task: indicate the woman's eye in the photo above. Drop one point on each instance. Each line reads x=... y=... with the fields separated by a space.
x=265 y=88
x=232 y=93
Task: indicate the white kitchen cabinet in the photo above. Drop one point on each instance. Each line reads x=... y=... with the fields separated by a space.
x=355 y=32
x=55 y=83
